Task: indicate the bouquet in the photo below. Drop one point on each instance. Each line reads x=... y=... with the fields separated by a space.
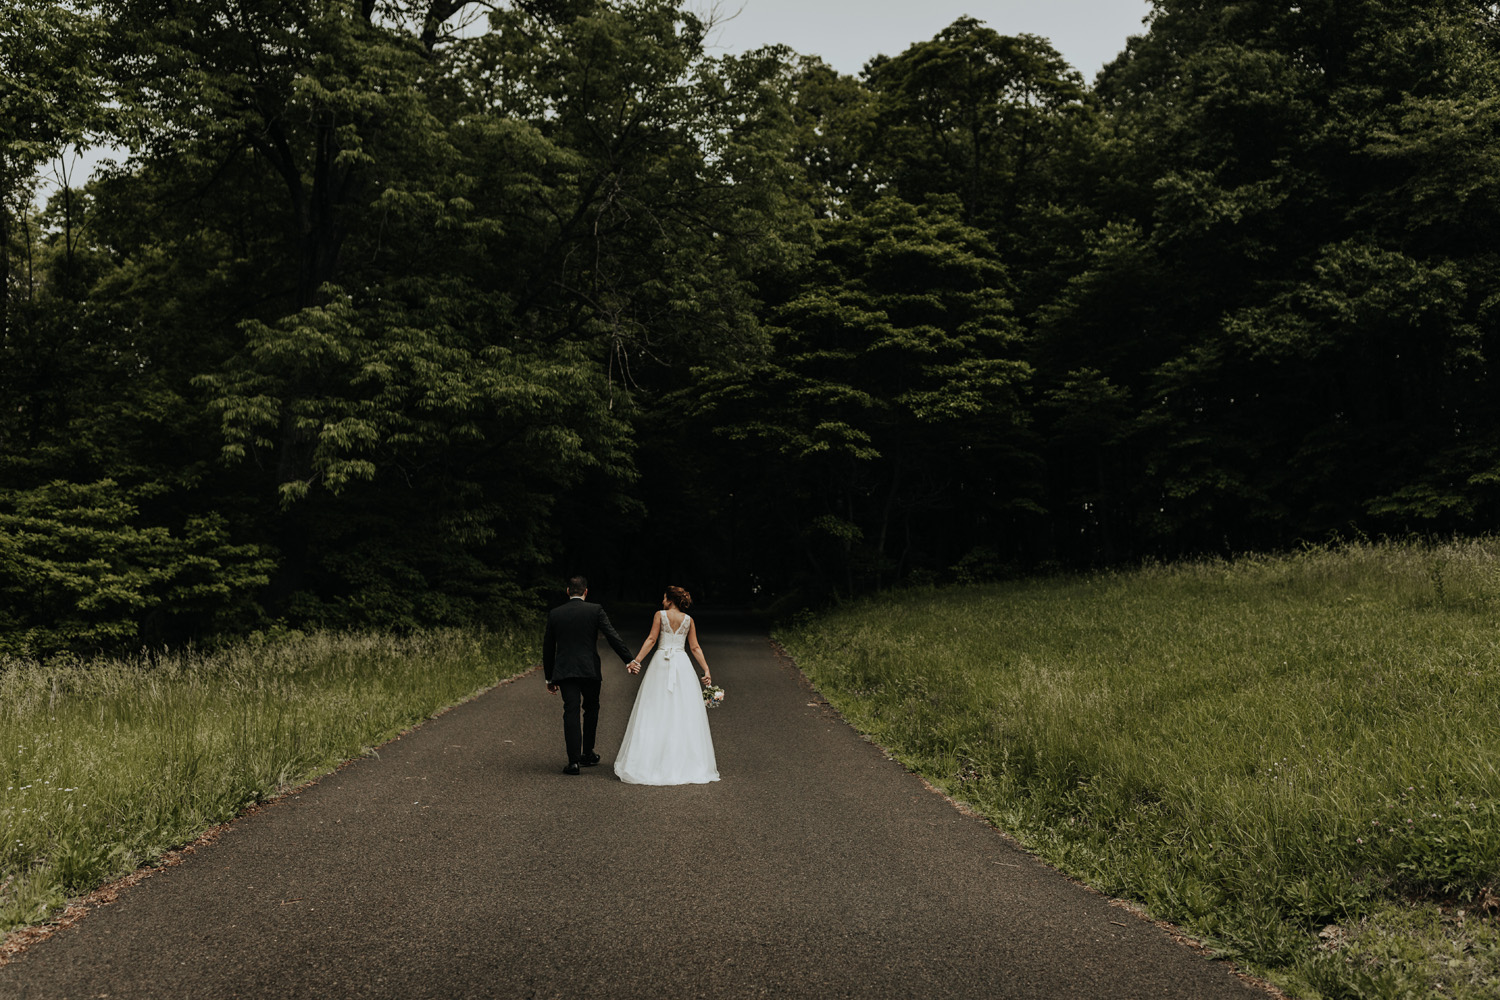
x=713 y=697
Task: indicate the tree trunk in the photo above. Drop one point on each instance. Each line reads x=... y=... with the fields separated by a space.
x=849 y=544
x=322 y=236
x=30 y=260
x=437 y=12
x=4 y=270
x=1104 y=509
x=906 y=548
x=885 y=522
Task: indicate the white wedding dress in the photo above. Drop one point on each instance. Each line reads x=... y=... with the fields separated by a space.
x=667 y=741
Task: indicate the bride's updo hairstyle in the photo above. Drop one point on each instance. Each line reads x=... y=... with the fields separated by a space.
x=679 y=597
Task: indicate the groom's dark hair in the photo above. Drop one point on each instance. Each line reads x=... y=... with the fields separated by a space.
x=577 y=585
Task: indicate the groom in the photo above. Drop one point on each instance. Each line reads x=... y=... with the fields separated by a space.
x=570 y=661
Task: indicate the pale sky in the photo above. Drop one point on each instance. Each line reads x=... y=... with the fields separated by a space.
x=1088 y=33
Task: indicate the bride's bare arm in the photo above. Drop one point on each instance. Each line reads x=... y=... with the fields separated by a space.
x=650 y=639
x=692 y=643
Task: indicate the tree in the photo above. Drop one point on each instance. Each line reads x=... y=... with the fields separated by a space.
x=515 y=226
x=892 y=396
x=80 y=573
x=835 y=118
x=1286 y=289
x=50 y=97
x=975 y=114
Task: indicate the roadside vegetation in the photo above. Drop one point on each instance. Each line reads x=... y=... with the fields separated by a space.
x=1292 y=757
x=107 y=764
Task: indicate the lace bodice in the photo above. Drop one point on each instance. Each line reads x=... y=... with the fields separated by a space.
x=674 y=639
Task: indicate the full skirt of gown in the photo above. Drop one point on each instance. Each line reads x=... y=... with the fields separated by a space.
x=667 y=741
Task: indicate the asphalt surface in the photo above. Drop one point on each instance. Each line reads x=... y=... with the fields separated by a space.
x=461 y=862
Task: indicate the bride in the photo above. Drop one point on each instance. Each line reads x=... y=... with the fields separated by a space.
x=667 y=741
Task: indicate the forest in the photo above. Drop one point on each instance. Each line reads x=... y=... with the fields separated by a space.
x=390 y=314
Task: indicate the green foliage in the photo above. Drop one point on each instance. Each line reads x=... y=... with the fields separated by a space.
x=375 y=298
x=50 y=98
x=649 y=182
x=1291 y=276
x=973 y=113
x=79 y=572
x=430 y=316
x=385 y=323
x=895 y=339
x=834 y=121
x=49 y=89
x=1276 y=753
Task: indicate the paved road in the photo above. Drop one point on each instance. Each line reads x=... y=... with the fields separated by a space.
x=461 y=863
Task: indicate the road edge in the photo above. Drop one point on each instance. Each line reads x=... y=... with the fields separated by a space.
x=15 y=942
x=1135 y=909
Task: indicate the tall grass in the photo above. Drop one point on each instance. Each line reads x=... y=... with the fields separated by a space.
x=105 y=765
x=1285 y=755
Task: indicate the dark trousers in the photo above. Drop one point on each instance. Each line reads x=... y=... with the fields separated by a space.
x=575 y=693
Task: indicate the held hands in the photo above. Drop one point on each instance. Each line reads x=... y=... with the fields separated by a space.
x=634 y=666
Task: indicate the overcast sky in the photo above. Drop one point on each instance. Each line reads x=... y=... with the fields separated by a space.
x=1089 y=33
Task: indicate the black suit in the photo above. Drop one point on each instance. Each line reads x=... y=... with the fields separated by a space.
x=570 y=659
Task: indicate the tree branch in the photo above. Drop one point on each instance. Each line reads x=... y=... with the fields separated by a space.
x=437 y=13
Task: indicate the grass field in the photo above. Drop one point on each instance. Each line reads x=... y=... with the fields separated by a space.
x=106 y=765
x=1295 y=758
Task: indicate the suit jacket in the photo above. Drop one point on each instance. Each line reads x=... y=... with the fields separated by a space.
x=569 y=647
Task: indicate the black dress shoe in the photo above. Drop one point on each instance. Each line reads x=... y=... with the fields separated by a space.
x=589 y=759
x=572 y=768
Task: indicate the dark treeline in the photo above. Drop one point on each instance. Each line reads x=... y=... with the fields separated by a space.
x=396 y=310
